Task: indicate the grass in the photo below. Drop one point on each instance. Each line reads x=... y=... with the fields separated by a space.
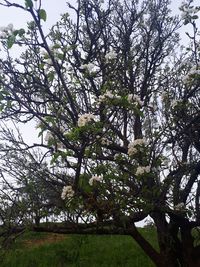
x=48 y=250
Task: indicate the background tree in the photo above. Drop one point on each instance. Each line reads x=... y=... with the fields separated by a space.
x=118 y=104
x=28 y=182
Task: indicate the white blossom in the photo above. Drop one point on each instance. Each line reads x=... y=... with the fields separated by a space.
x=105 y=141
x=48 y=136
x=132 y=150
x=111 y=55
x=95 y=178
x=6 y=31
x=142 y=169
x=133 y=146
x=3 y=35
x=139 y=142
x=89 y=67
x=10 y=27
x=174 y=103
x=67 y=192
x=108 y=95
x=135 y=98
x=85 y=119
x=3 y=29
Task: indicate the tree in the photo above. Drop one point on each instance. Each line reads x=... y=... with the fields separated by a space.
x=30 y=187
x=118 y=103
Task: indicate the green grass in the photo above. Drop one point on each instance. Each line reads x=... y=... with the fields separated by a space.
x=78 y=251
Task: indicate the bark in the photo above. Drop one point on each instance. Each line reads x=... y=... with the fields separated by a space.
x=191 y=254
x=145 y=245
x=169 y=245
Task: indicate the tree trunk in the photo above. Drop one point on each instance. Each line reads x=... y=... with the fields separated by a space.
x=166 y=258
x=176 y=248
x=145 y=245
x=37 y=221
x=167 y=244
x=191 y=254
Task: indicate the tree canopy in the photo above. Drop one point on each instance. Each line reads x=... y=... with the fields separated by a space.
x=116 y=100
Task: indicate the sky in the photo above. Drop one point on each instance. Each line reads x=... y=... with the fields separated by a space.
x=19 y=18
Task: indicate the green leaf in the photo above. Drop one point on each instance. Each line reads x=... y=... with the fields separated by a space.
x=43 y=14
x=10 y=41
x=2 y=106
x=28 y=3
x=56 y=46
x=51 y=75
x=195 y=17
x=60 y=56
x=41 y=66
x=21 y=32
x=55 y=157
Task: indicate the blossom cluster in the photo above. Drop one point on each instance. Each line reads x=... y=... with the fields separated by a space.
x=108 y=95
x=6 y=31
x=135 y=98
x=110 y=55
x=105 y=141
x=133 y=146
x=95 y=178
x=67 y=192
x=85 y=119
x=56 y=52
x=132 y=98
x=142 y=170
x=89 y=67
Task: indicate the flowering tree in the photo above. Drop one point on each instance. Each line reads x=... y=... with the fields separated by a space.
x=117 y=102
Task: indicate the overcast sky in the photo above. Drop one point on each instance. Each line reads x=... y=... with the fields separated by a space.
x=53 y=8
x=19 y=17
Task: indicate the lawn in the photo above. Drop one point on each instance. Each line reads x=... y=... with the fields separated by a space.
x=53 y=250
